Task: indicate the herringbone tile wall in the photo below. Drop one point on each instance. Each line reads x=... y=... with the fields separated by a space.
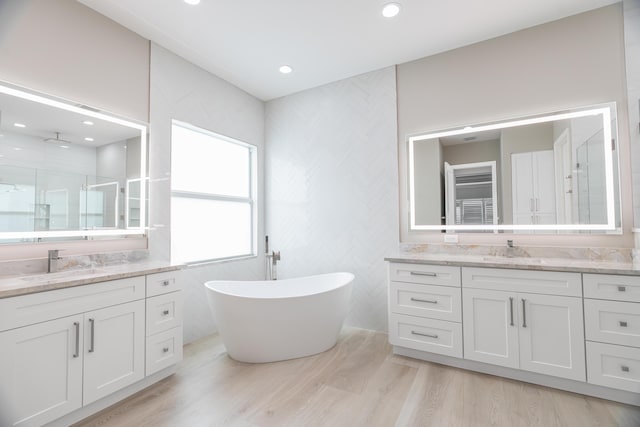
x=332 y=185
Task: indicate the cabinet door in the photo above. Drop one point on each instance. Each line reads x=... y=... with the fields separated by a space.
x=552 y=335
x=490 y=327
x=114 y=349
x=40 y=372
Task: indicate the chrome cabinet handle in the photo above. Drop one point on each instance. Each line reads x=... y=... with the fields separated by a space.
x=622 y=288
x=623 y=323
x=624 y=368
x=165 y=312
x=417 y=273
x=424 y=335
x=92 y=322
x=524 y=313
x=423 y=300
x=511 y=309
x=77 y=326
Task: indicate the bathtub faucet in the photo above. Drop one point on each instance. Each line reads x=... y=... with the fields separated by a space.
x=272 y=260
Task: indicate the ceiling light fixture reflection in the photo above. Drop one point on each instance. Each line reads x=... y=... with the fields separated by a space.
x=285 y=69
x=20 y=125
x=192 y=2
x=88 y=139
x=64 y=146
x=390 y=10
x=88 y=123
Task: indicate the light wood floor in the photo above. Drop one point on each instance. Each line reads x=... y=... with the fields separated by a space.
x=357 y=383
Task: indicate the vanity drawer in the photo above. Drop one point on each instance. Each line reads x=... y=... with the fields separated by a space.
x=612 y=322
x=163 y=350
x=435 y=302
x=162 y=283
x=441 y=275
x=164 y=312
x=434 y=336
x=42 y=306
x=613 y=366
x=612 y=287
x=535 y=282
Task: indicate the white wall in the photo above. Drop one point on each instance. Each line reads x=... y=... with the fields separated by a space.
x=63 y=48
x=182 y=91
x=332 y=187
x=572 y=62
x=632 y=52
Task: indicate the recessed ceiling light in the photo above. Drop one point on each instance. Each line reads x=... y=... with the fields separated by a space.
x=192 y=2
x=390 y=10
x=89 y=139
x=17 y=149
x=285 y=69
x=88 y=123
x=19 y=125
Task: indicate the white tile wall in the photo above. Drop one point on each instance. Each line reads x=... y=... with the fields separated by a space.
x=332 y=185
x=632 y=56
x=182 y=91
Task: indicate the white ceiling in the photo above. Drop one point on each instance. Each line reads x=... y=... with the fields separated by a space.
x=245 y=41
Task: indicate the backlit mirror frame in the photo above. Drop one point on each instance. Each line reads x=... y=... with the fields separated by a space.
x=48 y=100
x=608 y=111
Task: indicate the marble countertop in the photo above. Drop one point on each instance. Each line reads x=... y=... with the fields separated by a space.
x=521 y=263
x=28 y=284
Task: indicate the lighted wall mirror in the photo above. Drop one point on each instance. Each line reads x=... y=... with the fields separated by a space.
x=68 y=171
x=551 y=173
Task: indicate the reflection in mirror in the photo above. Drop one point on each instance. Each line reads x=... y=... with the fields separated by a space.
x=556 y=172
x=67 y=171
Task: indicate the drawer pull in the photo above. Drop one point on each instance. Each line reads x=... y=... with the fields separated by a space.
x=622 y=289
x=524 y=313
x=623 y=324
x=417 y=273
x=624 y=368
x=165 y=349
x=423 y=300
x=424 y=335
x=165 y=283
x=165 y=312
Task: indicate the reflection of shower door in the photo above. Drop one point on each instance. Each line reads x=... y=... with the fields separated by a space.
x=564 y=178
x=471 y=193
x=58 y=200
x=99 y=205
x=592 y=206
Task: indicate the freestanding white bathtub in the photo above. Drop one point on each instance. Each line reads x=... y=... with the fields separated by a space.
x=267 y=321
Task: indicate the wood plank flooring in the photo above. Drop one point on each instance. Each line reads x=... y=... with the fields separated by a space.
x=357 y=383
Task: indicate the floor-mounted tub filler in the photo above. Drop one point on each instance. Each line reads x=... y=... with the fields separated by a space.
x=267 y=321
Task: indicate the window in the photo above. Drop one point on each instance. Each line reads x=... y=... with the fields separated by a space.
x=213 y=196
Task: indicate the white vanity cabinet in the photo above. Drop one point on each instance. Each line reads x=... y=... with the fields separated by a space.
x=425 y=308
x=612 y=323
x=537 y=332
x=164 y=321
x=67 y=351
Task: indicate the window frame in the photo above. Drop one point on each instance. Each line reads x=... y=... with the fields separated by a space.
x=251 y=199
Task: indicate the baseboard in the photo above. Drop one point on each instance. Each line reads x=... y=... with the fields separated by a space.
x=621 y=396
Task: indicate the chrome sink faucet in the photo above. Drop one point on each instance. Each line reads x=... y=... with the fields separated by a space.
x=52 y=261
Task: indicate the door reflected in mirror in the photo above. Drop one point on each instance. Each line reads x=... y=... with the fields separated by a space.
x=551 y=173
